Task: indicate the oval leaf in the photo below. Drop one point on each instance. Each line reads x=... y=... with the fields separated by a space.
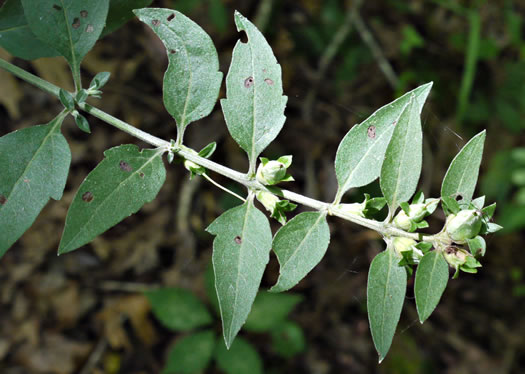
x=15 y=35
x=119 y=186
x=300 y=245
x=462 y=174
x=240 y=358
x=241 y=251
x=120 y=12
x=254 y=107
x=69 y=27
x=385 y=295
x=191 y=354
x=34 y=164
x=403 y=158
x=178 y=309
x=431 y=281
x=192 y=81
x=361 y=152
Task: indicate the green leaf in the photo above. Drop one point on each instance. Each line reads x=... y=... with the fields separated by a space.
x=178 y=309
x=15 y=35
x=270 y=309
x=207 y=151
x=241 y=251
x=288 y=339
x=119 y=186
x=66 y=99
x=300 y=245
x=120 y=12
x=361 y=152
x=254 y=106
x=34 y=163
x=403 y=158
x=477 y=246
x=69 y=27
x=431 y=281
x=100 y=80
x=82 y=123
x=192 y=354
x=211 y=292
x=192 y=80
x=240 y=358
x=385 y=295
x=462 y=174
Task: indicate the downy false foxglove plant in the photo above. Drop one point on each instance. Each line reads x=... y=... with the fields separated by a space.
x=34 y=164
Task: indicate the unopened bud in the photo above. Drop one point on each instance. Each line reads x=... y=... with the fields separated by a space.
x=267 y=199
x=404 y=244
x=354 y=208
x=455 y=256
x=271 y=173
x=465 y=225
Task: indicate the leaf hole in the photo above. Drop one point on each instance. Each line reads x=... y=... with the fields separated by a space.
x=238 y=240
x=248 y=82
x=171 y=17
x=243 y=37
x=141 y=175
x=90 y=28
x=155 y=22
x=84 y=13
x=371 y=132
x=3 y=199
x=459 y=197
x=57 y=7
x=76 y=23
x=87 y=197
x=269 y=81
x=125 y=166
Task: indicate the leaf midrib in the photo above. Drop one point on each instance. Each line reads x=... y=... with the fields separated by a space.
x=64 y=249
x=436 y=257
x=70 y=37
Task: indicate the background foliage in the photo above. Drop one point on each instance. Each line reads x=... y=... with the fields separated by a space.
x=56 y=313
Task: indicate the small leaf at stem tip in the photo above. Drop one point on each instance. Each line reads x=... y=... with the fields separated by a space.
x=66 y=99
x=81 y=97
x=207 y=151
x=82 y=123
x=100 y=80
x=462 y=174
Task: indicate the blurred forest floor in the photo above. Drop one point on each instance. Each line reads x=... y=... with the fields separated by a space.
x=85 y=312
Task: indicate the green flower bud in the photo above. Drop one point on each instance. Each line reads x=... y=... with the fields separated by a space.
x=416 y=213
x=402 y=221
x=465 y=225
x=271 y=173
x=267 y=199
x=194 y=168
x=403 y=244
x=354 y=208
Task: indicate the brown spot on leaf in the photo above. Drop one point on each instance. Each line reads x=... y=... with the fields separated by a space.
x=76 y=23
x=171 y=16
x=248 y=82
x=141 y=175
x=173 y=51
x=238 y=240
x=371 y=132
x=125 y=166
x=394 y=123
x=57 y=7
x=269 y=81
x=84 y=13
x=26 y=180
x=3 y=199
x=89 y=28
x=155 y=22
x=87 y=197
x=451 y=249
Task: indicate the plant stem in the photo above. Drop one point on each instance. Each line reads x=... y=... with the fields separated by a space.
x=252 y=184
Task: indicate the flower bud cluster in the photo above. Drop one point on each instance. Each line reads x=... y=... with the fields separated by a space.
x=271 y=172
x=411 y=217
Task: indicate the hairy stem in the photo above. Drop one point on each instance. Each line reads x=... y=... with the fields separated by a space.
x=252 y=184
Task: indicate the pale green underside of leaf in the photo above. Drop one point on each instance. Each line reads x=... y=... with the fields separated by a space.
x=385 y=296
x=241 y=250
x=361 y=152
x=15 y=35
x=119 y=186
x=34 y=164
x=71 y=27
x=403 y=158
x=300 y=245
x=178 y=309
x=462 y=174
x=254 y=107
x=241 y=358
x=192 y=80
x=431 y=281
x=191 y=354
x=120 y=12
